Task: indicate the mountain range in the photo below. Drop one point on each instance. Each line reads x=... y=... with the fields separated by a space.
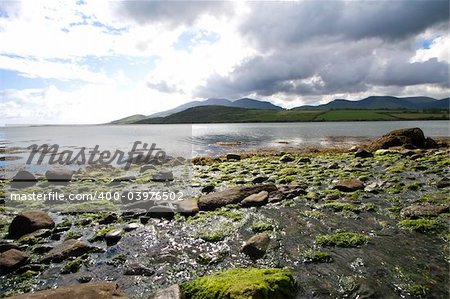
x=240 y=110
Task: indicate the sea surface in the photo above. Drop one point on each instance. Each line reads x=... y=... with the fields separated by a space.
x=200 y=139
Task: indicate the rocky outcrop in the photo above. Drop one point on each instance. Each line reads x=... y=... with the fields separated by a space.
x=407 y=138
x=235 y=195
x=11 y=259
x=97 y=290
x=28 y=222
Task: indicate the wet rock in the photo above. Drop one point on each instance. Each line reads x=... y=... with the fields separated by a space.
x=138 y=269
x=125 y=179
x=147 y=168
x=59 y=175
x=234 y=195
x=287 y=158
x=161 y=212
x=362 y=153
x=6 y=245
x=42 y=249
x=23 y=179
x=110 y=218
x=419 y=211
x=408 y=138
x=292 y=191
x=304 y=160
x=349 y=185
x=443 y=183
x=40 y=233
x=256 y=200
x=276 y=197
x=28 y=222
x=333 y=165
x=69 y=248
x=256 y=246
x=172 y=292
x=187 y=207
x=133 y=213
x=97 y=290
x=233 y=157
x=208 y=189
x=332 y=197
x=383 y=152
x=10 y=260
x=259 y=179
x=113 y=236
x=164 y=176
x=131 y=226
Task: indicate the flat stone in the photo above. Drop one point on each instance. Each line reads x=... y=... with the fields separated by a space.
x=131 y=226
x=418 y=211
x=28 y=222
x=256 y=200
x=234 y=195
x=11 y=259
x=161 y=212
x=69 y=248
x=138 y=269
x=97 y=290
x=256 y=246
x=350 y=185
x=172 y=292
x=162 y=176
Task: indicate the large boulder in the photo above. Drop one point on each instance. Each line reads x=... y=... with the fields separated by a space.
x=97 y=290
x=10 y=260
x=28 y=222
x=408 y=138
x=256 y=200
x=234 y=195
x=69 y=248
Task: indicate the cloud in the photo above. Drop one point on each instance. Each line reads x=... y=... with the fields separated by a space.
x=172 y=13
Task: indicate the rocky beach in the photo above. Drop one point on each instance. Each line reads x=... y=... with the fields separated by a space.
x=370 y=221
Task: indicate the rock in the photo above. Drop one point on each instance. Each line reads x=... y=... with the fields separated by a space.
x=287 y=158
x=304 y=160
x=110 y=218
x=382 y=152
x=146 y=168
x=292 y=191
x=131 y=226
x=172 y=292
x=333 y=165
x=187 y=207
x=138 y=269
x=234 y=195
x=113 y=236
x=362 y=153
x=97 y=290
x=332 y=197
x=69 y=248
x=443 y=183
x=256 y=246
x=349 y=185
x=23 y=179
x=28 y=222
x=41 y=249
x=233 y=157
x=256 y=200
x=126 y=179
x=6 y=245
x=259 y=179
x=164 y=176
x=408 y=138
x=208 y=189
x=10 y=260
x=133 y=213
x=418 y=211
x=161 y=212
x=59 y=175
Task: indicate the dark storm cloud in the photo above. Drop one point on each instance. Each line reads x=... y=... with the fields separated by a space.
x=172 y=13
x=272 y=24
x=318 y=48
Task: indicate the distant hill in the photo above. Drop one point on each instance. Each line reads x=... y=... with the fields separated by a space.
x=242 y=103
x=129 y=119
x=383 y=102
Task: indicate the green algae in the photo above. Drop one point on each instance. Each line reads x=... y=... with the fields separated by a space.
x=422 y=225
x=343 y=239
x=315 y=256
x=243 y=283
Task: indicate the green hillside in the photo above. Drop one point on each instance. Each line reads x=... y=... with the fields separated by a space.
x=221 y=114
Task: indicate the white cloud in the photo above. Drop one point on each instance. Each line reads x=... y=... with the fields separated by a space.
x=438 y=48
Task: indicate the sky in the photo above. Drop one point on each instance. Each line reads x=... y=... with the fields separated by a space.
x=83 y=62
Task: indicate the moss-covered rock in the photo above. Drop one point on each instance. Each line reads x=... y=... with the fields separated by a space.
x=421 y=225
x=343 y=239
x=244 y=283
